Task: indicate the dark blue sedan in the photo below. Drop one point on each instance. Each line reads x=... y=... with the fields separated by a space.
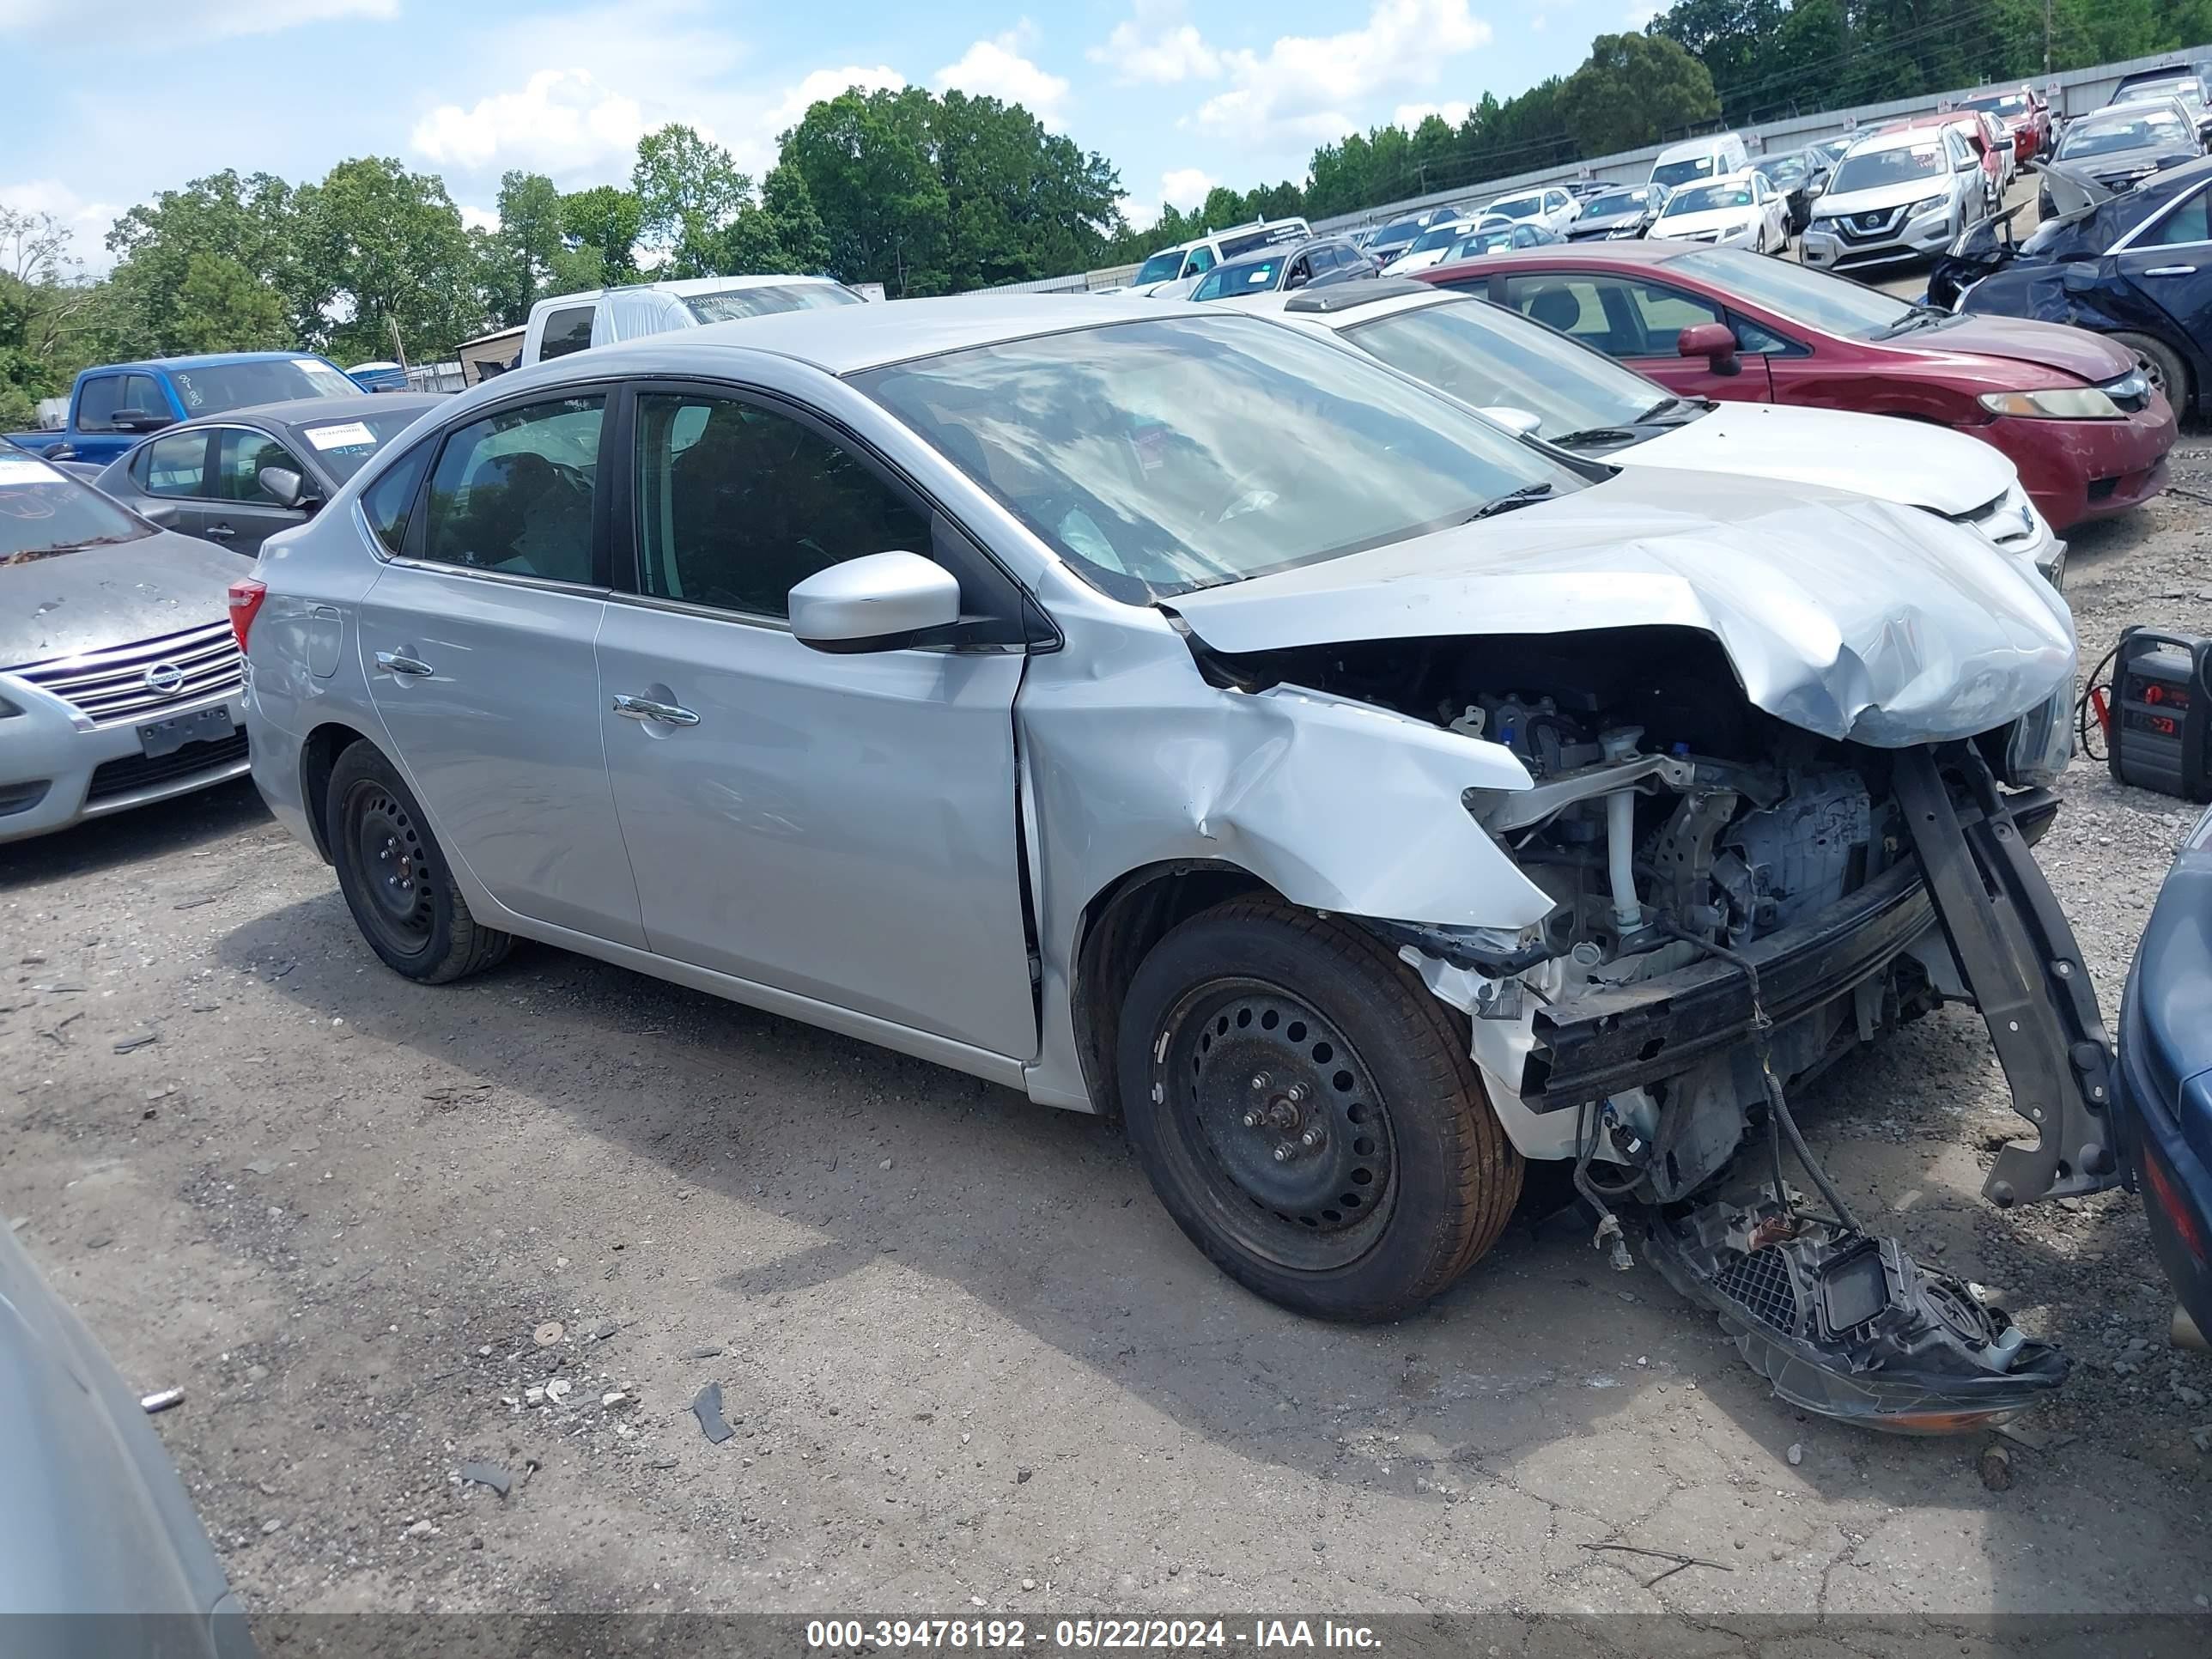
x=2166 y=1074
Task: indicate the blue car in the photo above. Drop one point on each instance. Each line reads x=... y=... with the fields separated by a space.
x=2165 y=1120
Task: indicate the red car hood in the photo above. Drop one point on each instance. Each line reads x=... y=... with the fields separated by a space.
x=2075 y=351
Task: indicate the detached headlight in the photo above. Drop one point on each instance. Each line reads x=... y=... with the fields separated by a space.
x=1931 y=204
x=2058 y=403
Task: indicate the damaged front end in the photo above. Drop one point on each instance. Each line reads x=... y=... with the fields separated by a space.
x=1736 y=904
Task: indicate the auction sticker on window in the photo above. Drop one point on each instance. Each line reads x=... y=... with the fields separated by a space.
x=26 y=470
x=343 y=436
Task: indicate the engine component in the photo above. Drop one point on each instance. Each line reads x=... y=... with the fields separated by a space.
x=1847 y=1324
x=1795 y=858
x=1547 y=741
x=1618 y=746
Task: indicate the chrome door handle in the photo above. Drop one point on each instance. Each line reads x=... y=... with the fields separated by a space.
x=2171 y=271
x=645 y=708
x=224 y=533
x=392 y=663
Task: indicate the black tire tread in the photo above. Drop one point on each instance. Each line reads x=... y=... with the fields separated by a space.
x=1486 y=1182
x=2178 y=391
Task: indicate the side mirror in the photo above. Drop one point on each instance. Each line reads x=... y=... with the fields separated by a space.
x=882 y=602
x=1715 y=341
x=1519 y=421
x=140 y=420
x=286 y=488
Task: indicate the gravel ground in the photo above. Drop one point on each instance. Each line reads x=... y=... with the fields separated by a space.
x=374 y=1229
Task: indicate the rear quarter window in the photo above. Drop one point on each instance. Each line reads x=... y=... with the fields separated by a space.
x=388 y=503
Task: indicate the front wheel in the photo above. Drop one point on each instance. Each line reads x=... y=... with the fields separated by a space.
x=395 y=877
x=1309 y=1112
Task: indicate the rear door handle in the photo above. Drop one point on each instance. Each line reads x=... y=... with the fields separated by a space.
x=392 y=663
x=2171 y=271
x=224 y=533
x=645 y=708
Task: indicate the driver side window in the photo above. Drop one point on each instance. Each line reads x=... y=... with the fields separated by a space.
x=513 y=492
x=735 y=503
x=2186 y=224
x=1201 y=261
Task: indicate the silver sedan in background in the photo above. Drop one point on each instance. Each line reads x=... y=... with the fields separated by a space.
x=120 y=682
x=1171 y=713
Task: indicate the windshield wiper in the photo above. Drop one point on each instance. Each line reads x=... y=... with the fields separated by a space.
x=1596 y=434
x=1526 y=496
x=1920 y=317
x=1665 y=405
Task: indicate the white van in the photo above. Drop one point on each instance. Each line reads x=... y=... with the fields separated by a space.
x=570 y=322
x=1700 y=161
x=1186 y=262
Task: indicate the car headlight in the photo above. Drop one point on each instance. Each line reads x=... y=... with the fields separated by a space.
x=2039 y=742
x=1929 y=204
x=2058 y=403
x=1620 y=233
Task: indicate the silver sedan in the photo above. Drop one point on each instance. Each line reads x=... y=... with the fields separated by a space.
x=1171 y=715
x=120 y=682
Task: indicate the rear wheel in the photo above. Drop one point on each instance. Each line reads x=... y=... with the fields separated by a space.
x=2161 y=366
x=395 y=878
x=1309 y=1114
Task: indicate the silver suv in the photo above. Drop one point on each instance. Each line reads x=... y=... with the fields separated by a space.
x=1173 y=714
x=1895 y=197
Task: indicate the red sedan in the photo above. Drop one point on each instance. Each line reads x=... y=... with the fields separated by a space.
x=2089 y=433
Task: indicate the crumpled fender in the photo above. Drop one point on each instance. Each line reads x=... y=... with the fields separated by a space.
x=1340 y=805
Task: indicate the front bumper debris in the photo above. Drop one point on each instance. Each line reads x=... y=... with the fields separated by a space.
x=1850 y=1326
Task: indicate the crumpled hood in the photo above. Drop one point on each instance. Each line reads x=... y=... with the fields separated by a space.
x=1873 y=454
x=98 y=597
x=1844 y=616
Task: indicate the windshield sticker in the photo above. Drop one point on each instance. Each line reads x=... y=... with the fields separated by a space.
x=308 y=363
x=26 y=470
x=344 y=436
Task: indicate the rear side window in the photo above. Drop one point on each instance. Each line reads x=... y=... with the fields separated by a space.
x=388 y=501
x=513 y=492
x=566 y=332
x=174 y=465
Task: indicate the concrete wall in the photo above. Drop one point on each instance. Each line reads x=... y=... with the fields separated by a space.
x=2079 y=90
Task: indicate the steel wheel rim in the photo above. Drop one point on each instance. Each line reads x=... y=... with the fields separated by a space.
x=394 y=868
x=1240 y=1050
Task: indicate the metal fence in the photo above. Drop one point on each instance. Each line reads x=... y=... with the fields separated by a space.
x=2077 y=90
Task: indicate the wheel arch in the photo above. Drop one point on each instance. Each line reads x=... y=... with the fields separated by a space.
x=1117 y=929
x=318 y=756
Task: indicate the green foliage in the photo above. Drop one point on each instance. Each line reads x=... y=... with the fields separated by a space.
x=689 y=193
x=243 y=224
x=52 y=320
x=517 y=260
x=381 y=248
x=1635 y=89
x=600 y=229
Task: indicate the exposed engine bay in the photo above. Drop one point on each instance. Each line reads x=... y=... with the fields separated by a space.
x=1737 y=903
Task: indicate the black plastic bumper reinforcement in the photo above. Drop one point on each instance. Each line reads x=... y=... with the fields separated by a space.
x=1611 y=1038
x=2018 y=958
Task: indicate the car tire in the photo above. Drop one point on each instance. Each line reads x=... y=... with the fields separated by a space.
x=1256 y=1024
x=395 y=878
x=2162 y=364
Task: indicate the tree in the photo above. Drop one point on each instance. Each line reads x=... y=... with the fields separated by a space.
x=246 y=225
x=864 y=163
x=519 y=257
x=1636 y=89
x=384 y=247
x=52 y=319
x=688 y=191
x=599 y=229
x=802 y=240
x=223 y=306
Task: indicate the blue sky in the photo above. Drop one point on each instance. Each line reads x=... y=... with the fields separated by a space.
x=111 y=101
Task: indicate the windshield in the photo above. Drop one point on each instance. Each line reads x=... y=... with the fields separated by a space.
x=1160 y=268
x=1834 y=305
x=1707 y=198
x=1688 y=170
x=1252 y=276
x=1160 y=455
x=1878 y=169
x=2186 y=88
x=2150 y=129
x=1620 y=201
x=1442 y=236
x=1998 y=103
x=1494 y=240
x=733 y=303
x=342 y=445
x=1785 y=173
x=1493 y=358
x=44 y=513
x=210 y=390
x=1393 y=235
x=1515 y=207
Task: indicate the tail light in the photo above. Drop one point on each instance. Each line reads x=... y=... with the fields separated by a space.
x=245 y=597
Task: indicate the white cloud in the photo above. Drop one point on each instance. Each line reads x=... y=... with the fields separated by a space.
x=1453 y=110
x=188 y=19
x=823 y=84
x=87 y=222
x=997 y=69
x=477 y=218
x=1308 y=88
x=1542 y=10
x=1157 y=46
x=560 y=121
x=1186 y=187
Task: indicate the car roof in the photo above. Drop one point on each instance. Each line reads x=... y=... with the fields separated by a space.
x=306 y=411
x=219 y=359
x=1342 y=304
x=1889 y=138
x=681 y=287
x=1705 y=145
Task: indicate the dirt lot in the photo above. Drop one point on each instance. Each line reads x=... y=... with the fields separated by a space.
x=969 y=1360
